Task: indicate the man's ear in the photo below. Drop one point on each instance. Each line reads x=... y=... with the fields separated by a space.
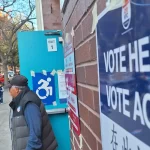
x=17 y=90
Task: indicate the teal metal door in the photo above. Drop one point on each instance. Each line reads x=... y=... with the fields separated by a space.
x=42 y=62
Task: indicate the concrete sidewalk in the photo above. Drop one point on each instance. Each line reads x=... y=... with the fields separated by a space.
x=5 y=139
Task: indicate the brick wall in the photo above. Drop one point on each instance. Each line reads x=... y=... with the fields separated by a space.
x=51 y=14
x=78 y=16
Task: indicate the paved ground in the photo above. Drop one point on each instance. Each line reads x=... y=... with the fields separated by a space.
x=5 y=141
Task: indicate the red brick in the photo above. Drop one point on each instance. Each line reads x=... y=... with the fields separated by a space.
x=87 y=25
x=99 y=146
x=76 y=145
x=77 y=137
x=96 y=101
x=78 y=36
x=85 y=147
x=90 y=139
x=83 y=132
x=91 y=75
x=80 y=97
x=80 y=74
x=72 y=146
x=69 y=27
x=93 y=48
x=73 y=19
x=82 y=126
x=84 y=113
x=88 y=97
x=68 y=11
x=83 y=54
x=80 y=9
x=101 y=4
x=71 y=22
x=71 y=135
x=88 y=3
x=51 y=20
x=94 y=123
x=71 y=125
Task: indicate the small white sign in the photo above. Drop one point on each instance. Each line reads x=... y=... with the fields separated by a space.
x=52 y=45
x=62 y=85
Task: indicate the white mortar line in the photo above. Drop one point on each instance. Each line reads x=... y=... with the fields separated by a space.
x=97 y=138
x=76 y=141
x=94 y=88
x=86 y=143
x=91 y=63
x=90 y=109
x=85 y=41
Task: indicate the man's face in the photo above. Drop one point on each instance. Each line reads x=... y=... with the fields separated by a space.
x=14 y=91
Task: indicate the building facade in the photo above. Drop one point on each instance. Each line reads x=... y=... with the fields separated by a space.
x=48 y=15
x=78 y=17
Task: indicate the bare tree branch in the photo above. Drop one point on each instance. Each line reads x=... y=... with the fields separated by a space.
x=12 y=45
x=8 y=5
x=4 y=35
x=16 y=13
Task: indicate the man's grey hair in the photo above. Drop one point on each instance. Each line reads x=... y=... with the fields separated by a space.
x=19 y=87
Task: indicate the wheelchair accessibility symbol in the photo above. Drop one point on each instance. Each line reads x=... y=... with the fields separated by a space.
x=45 y=86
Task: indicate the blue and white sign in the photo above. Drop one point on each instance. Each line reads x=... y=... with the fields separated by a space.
x=123 y=44
x=44 y=87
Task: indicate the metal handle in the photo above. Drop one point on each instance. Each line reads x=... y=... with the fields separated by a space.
x=57 y=111
x=52 y=33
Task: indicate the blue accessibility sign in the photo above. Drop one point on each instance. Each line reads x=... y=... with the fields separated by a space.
x=44 y=87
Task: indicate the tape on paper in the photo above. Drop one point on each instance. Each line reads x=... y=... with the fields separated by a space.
x=32 y=73
x=44 y=72
x=59 y=71
x=60 y=39
x=53 y=72
x=54 y=103
x=95 y=18
x=115 y=4
x=72 y=32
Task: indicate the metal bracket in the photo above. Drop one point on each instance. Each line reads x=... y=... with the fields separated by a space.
x=53 y=33
x=57 y=111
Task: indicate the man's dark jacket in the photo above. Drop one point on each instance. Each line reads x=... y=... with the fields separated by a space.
x=18 y=125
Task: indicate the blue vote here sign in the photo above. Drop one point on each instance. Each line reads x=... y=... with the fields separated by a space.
x=123 y=44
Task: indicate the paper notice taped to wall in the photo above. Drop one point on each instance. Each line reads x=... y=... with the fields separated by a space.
x=53 y=72
x=115 y=4
x=72 y=32
x=54 y=103
x=59 y=71
x=44 y=72
x=62 y=86
x=95 y=17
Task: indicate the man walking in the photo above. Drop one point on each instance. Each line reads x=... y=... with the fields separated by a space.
x=29 y=123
